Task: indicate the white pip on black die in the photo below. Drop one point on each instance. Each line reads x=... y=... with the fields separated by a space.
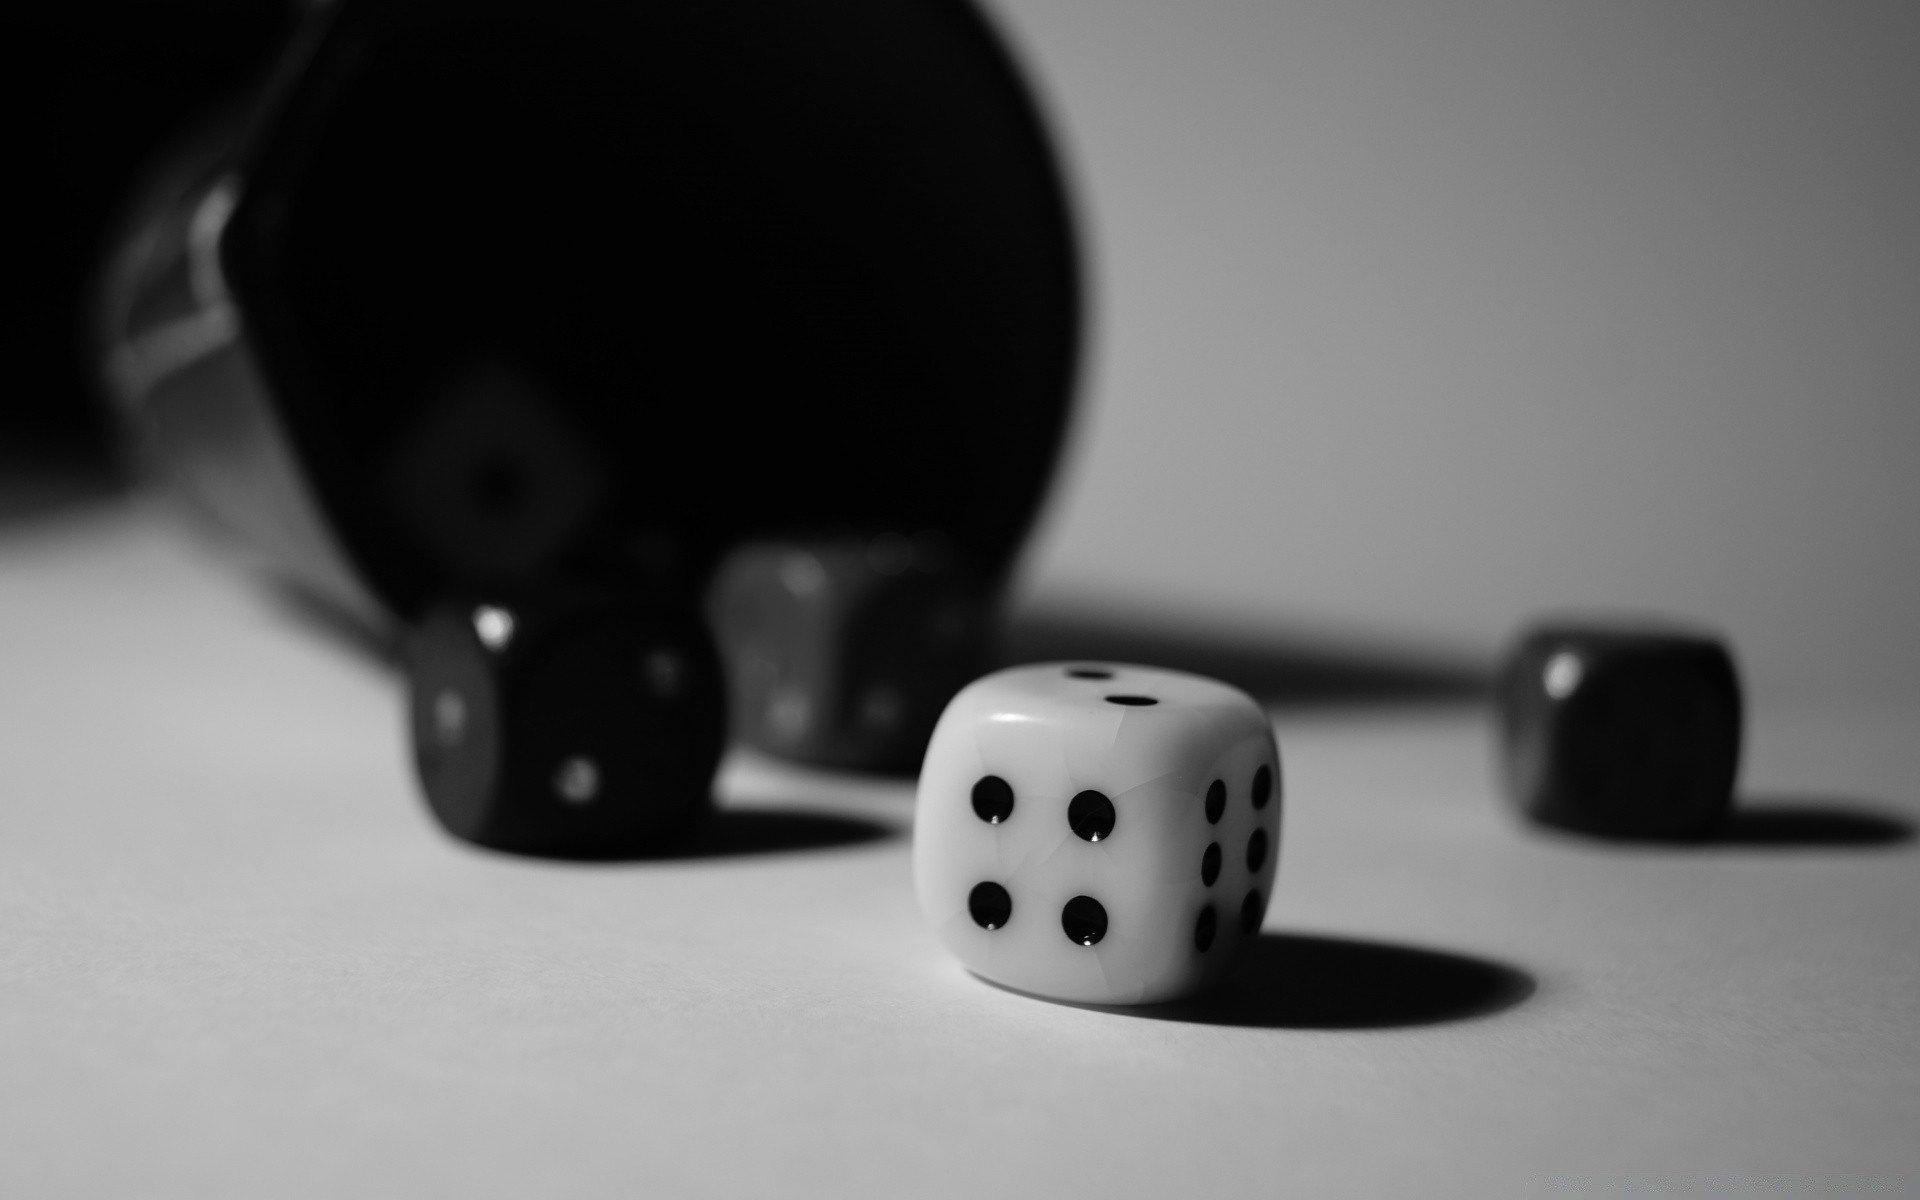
x=1099 y=833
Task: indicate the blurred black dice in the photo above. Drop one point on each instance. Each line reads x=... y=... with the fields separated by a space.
x=842 y=652
x=1621 y=731
x=574 y=724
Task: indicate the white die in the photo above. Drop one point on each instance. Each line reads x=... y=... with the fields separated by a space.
x=1153 y=744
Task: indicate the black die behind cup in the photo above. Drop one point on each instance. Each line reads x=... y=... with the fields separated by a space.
x=1621 y=731
x=572 y=724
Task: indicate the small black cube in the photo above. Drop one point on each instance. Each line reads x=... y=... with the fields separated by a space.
x=566 y=723
x=843 y=651
x=1621 y=731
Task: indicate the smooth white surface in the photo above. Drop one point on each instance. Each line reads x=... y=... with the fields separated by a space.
x=1417 y=319
x=236 y=959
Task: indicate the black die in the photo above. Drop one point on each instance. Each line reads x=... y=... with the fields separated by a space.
x=574 y=724
x=1621 y=731
x=843 y=652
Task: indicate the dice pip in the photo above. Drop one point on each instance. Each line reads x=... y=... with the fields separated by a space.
x=843 y=651
x=1621 y=731
x=1098 y=833
x=570 y=723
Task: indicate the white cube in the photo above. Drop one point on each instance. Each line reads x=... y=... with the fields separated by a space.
x=1098 y=832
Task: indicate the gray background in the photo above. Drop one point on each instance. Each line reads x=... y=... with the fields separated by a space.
x=1415 y=319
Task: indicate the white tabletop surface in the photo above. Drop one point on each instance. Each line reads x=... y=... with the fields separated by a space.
x=237 y=958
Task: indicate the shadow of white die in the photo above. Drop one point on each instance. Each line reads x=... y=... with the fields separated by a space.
x=1100 y=833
